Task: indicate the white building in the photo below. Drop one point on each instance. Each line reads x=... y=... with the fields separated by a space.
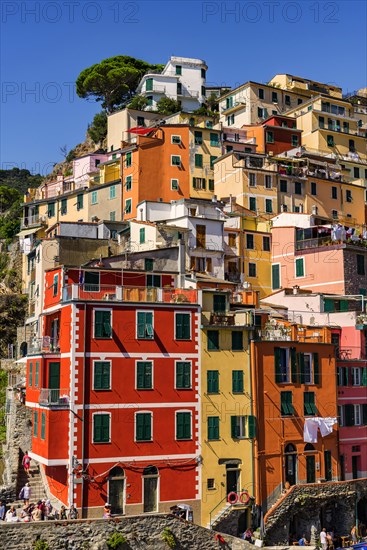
x=182 y=79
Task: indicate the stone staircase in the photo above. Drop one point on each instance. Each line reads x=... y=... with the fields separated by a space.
x=35 y=481
x=226 y=518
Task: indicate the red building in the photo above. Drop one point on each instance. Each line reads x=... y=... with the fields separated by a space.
x=114 y=388
x=275 y=135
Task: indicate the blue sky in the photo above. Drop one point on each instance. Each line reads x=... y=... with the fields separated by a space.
x=45 y=44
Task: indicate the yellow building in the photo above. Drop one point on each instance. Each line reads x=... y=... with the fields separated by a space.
x=305 y=86
x=228 y=427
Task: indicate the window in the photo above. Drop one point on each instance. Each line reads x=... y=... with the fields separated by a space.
x=55 y=285
x=200 y=236
x=348 y=195
x=35 y=423
x=300 y=267
x=237 y=340
x=183 y=375
x=179 y=88
x=129 y=158
x=356 y=171
x=210 y=483
x=299 y=101
x=213 y=428
x=229 y=102
x=113 y=216
x=94 y=198
x=128 y=206
x=212 y=159
x=128 y=183
x=183 y=425
x=154 y=281
x=43 y=426
x=213 y=340
x=144 y=321
x=321 y=122
x=356 y=376
x=334 y=214
x=212 y=381
x=269 y=136
x=252 y=179
x=101 y=428
x=36 y=379
x=249 y=241
x=232 y=239
x=198 y=137
x=287 y=99
x=281 y=364
x=286 y=405
x=242 y=427
x=102 y=375
x=211 y=185
x=214 y=139
x=313 y=188
x=360 y=264
x=149 y=84
x=266 y=244
x=295 y=141
x=268 y=182
x=268 y=206
x=219 y=303
x=176 y=140
x=140 y=121
x=199 y=183
x=102 y=323
x=91 y=281
x=237 y=381
x=309 y=407
x=79 y=202
x=198 y=161
x=142 y=235
x=357 y=415
x=143 y=426
x=275 y=276
x=112 y=192
x=51 y=210
x=144 y=375
x=230 y=120
x=175 y=160
x=252 y=204
x=64 y=206
x=178 y=69
x=261 y=93
x=261 y=113
x=251 y=269
x=203 y=73
x=274 y=97
x=283 y=186
x=183 y=326
x=174 y=185
x=352 y=146
x=298 y=187
x=330 y=141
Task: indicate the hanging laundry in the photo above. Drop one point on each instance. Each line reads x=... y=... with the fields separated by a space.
x=326 y=425
x=310 y=430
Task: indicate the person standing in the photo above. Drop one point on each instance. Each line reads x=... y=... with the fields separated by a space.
x=323 y=539
x=354 y=534
x=25 y=494
x=26 y=462
x=107 y=511
x=73 y=512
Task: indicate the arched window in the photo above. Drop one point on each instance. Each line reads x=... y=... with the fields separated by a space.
x=116 y=490
x=309 y=447
x=23 y=349
x=291 y=464
x=290 y=448
x=150 y=489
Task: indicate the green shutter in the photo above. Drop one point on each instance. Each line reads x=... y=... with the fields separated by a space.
x=212 y=377
x=102 y=374
x=198 y=161
x=237 y=381
x=294 y=370
x=301 y=363
x=349 y=415
x=55 y=285
x=309 y=407
x=43 y=425
x=101 y=428
x=213 y=339
x=237 y=340
x=183 y=326
x=275 y=272
x=144 y=378
x=183 y=425
x=364 y=376
x=143 y=427
x=183 y=375
x=36 y=380
x=251 y=426
x=278 y=373
x=286 y=405
x=35 y=423
x=299 y=267
x=30 y=374
x=343 y=304
x=102 y=324
x=141 y=324
x=235 y=432
x=213 y=427
x=329 y=306
x=316 y=368
x=219 y=303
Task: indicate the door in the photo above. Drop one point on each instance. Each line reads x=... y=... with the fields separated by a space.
x=310 y=469
x=116 y=487
x=150 y=489
x=232 y=480
x=54 y=335
x=54 y=382
x=291 y=468
x=328 y=466
x=355 y=463
x=200 y=236
x=342 y=468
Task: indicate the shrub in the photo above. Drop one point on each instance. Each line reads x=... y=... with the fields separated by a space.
x=41 y=545
x=116 y=540
x=168 y=537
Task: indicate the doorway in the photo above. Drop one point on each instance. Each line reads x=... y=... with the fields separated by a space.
x=342 y=467
x=290 y=464
x=116 y=490
x=310 y=469
x=355 y=467
x=54 y=381
x=328 y=466
x=150 y=489
x=232 y=479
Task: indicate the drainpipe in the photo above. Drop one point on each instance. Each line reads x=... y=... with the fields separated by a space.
x=181 y=263
x=253 y=410
x=83 y=409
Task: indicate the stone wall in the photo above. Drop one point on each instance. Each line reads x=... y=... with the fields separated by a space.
x=305 y=506
x=141 y=532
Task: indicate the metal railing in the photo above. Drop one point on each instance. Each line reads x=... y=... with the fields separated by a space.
x=44 y=344
x=54 y=397
x=30 y=221
x=129 y=294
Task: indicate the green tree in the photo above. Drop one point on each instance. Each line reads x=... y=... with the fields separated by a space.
x=20 y=179
x=98 y=129
x=138 y=102
x=113 y=81
x=168 y=106
x=8 y=196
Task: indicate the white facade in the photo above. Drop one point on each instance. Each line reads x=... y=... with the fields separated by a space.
x=182 y=79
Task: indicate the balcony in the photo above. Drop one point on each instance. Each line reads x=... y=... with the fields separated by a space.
x=129 y=294
x=54 y=398
x=361 y=322
x=277 y=332
x=291 y=171
x=31 y=221
x=227 y=319
x=234 y=107
x=187 y=93
x=222 y=319
x=45 y=344
x=156 y=89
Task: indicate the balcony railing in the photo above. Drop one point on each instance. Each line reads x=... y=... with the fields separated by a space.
x=188 y=93
x=227 y=319
x=235 y=105
x=222 y=319
x=155 y=88
x=328 y=241
x=45 y=344
x=129 y=294
x=55 y=398
x=30 y=221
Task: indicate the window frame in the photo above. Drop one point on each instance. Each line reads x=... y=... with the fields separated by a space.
x=185 y=412
x=297 y=261
x=190 y=325
x=175 y=187
x=186 y=362
x=145 y=311
x=252 y=269
x=94 y=197
x=128 y=182
x=98 y=310
x=176 y=157
x=130 y=203
x=212 y=383
x=144 y=388
x=102 y=413
x=217 y=427
x=94 y=377
x=214 y=331
x=136 y=413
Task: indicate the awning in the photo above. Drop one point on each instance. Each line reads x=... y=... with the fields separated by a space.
x=141 y=131
x=26 y=232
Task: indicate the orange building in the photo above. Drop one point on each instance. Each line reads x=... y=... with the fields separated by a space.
x=275 y=135
x=294 y=380
x=172 y=162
